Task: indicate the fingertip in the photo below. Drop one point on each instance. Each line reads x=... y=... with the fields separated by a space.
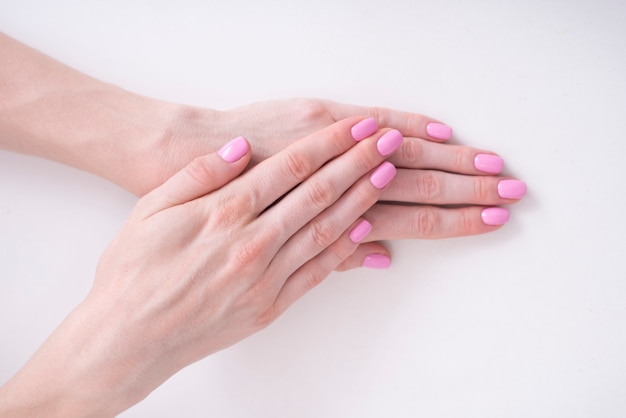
x=439 y=131
x=377 y=261
x=234 y=150
x=364 y=128
x=360 y=231
x=369 y=255
x=495 y=216
x=488 y=163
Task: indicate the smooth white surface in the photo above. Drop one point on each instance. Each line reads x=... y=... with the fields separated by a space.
x=525 y=322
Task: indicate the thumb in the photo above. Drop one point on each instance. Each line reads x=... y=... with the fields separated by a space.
x=200 y=177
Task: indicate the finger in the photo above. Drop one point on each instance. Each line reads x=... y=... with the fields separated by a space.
x=410 y=124
x=315 y=270
x=200 y=177
x=393 y=222
x=324 y=188
x=325 y=228
x=283 y=171
x=440 y=188
x=370 y=254
x=418 y=153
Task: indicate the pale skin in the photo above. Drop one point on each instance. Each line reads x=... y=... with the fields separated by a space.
x=52 y=111
x=208 y=257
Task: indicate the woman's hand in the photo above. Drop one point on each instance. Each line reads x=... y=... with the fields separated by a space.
x=138 y=142
x=205 y=260
x=269 y=126
x=444 y=190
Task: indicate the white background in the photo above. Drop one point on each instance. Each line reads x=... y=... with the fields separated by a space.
x=525 y=322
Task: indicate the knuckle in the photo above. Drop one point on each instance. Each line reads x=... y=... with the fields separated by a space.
x=481 y=189
x=321 y=194
x=322 y=233
x=341 y=251
x=425 y=222
x=364 y=159
x=266 y=317
x=298 y=166
x=335 y=140
x=412 y=152
x=314 y=277
x=343 y=266
x=250 y=252
x=429 y=186
x=223 y=214
x=414 y=123
x=380 y=114
x=231 y=210
x=364 y=197
x=467 y=221
x=461 y=156
x=313 y=110
x=200 y=171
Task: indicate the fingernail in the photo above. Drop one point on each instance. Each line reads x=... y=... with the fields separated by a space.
x=511 y=189
x=383 y=175
x=439 y=131
x=495 y=216
x=360 y=231
x=389 y=142
x=234 y=150
x=377 y=261
x=364 y=129
x=488 y=163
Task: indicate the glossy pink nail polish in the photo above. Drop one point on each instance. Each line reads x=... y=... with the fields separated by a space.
x=360 y=231
x=439 y=131
x=363 y=129
x=377 y=261
x=234 y=150
x=389 y=142
x=495 y=216
x=383 y=175
x=488 y=163
x=511 y=189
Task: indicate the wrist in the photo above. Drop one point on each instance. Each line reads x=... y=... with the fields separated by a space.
x=83 y=369
x=135 y=141
x=52 y=111
x=150 y=140
x=182 y=133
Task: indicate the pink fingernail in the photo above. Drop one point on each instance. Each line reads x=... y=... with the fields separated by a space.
x=234 y=150
x=511 y=189
x=495 y=216
x=439 y=131
x=383 y=175
x=363 y=129
x=488 y=163
x=389 y=142
x=360 y=231
x=377 y=261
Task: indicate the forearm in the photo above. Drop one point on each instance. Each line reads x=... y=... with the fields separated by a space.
x=52 y=111
x=85 y=368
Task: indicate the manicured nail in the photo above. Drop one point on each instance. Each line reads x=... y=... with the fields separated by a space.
x=439 y=131
x=383 y=175
x=364 y=129
x=488 y=163
x=389 y=142
x=495 y=216
x=234 y=150
x=360 y=231
x=511 y=189
x=377 y=261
